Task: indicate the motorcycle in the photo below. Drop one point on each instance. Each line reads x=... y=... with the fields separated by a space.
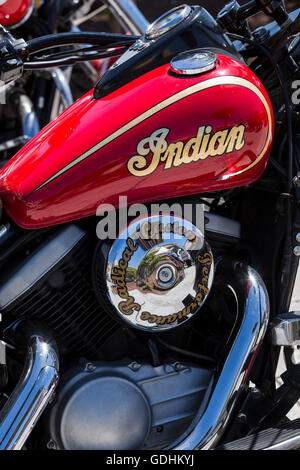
x=150 y=241
x=35 y=99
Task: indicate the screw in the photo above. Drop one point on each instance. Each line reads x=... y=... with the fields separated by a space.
x=177 y=366
x=89 y=367
x=51 y=445
x=298 y=237
x=296 y=251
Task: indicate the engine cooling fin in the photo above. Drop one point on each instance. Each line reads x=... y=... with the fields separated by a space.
x=61 y=294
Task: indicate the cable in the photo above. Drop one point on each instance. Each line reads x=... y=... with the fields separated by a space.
x=199 y=357
x=287 y=249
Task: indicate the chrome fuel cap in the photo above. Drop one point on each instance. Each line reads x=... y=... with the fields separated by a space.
x=159 y=272
x=194 y=62
x=168 y=21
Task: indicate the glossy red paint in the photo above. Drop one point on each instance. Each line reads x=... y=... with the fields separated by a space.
x=14 y=12
x=103 y=176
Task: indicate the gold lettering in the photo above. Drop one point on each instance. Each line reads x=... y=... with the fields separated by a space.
x=172 y=155
x=155 y=149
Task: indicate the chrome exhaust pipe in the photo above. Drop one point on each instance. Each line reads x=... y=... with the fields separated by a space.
x=253 y=311
x=33 y=392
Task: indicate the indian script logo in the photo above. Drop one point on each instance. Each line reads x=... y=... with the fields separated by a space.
x=204 y=145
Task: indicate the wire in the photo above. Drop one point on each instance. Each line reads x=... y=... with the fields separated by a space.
x=194 y=355
x=67 y=39
x=83 y=50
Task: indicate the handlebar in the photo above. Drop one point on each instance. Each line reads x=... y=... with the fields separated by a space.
x=16 y=55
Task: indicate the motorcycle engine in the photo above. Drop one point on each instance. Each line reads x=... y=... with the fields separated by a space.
x=151 y=281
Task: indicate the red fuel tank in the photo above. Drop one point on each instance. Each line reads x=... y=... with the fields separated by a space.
x=160 y=136
x=15 y=12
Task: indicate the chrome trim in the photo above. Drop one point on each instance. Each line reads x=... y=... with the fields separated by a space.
x=285 y=329
x=222 y=225
x=12 y=143
x=128 y=15
x=30 y=123
x=210 y=422
x=26 y=17
x=169 y=290
x=33 y=392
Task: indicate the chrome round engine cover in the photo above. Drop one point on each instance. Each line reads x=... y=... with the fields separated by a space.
x=159 y=272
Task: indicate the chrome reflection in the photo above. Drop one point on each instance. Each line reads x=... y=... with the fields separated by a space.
x=253 y=304
x=159 y=272
x=30 y=123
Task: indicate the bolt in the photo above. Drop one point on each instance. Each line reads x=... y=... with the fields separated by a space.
x=51 y=445
x=134 y=366
x=296 y=250
x=89 y=367
x=296 y=180
x=177 y=366
x=298 y=237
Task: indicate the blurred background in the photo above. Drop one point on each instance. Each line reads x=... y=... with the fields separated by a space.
x=154 y=8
